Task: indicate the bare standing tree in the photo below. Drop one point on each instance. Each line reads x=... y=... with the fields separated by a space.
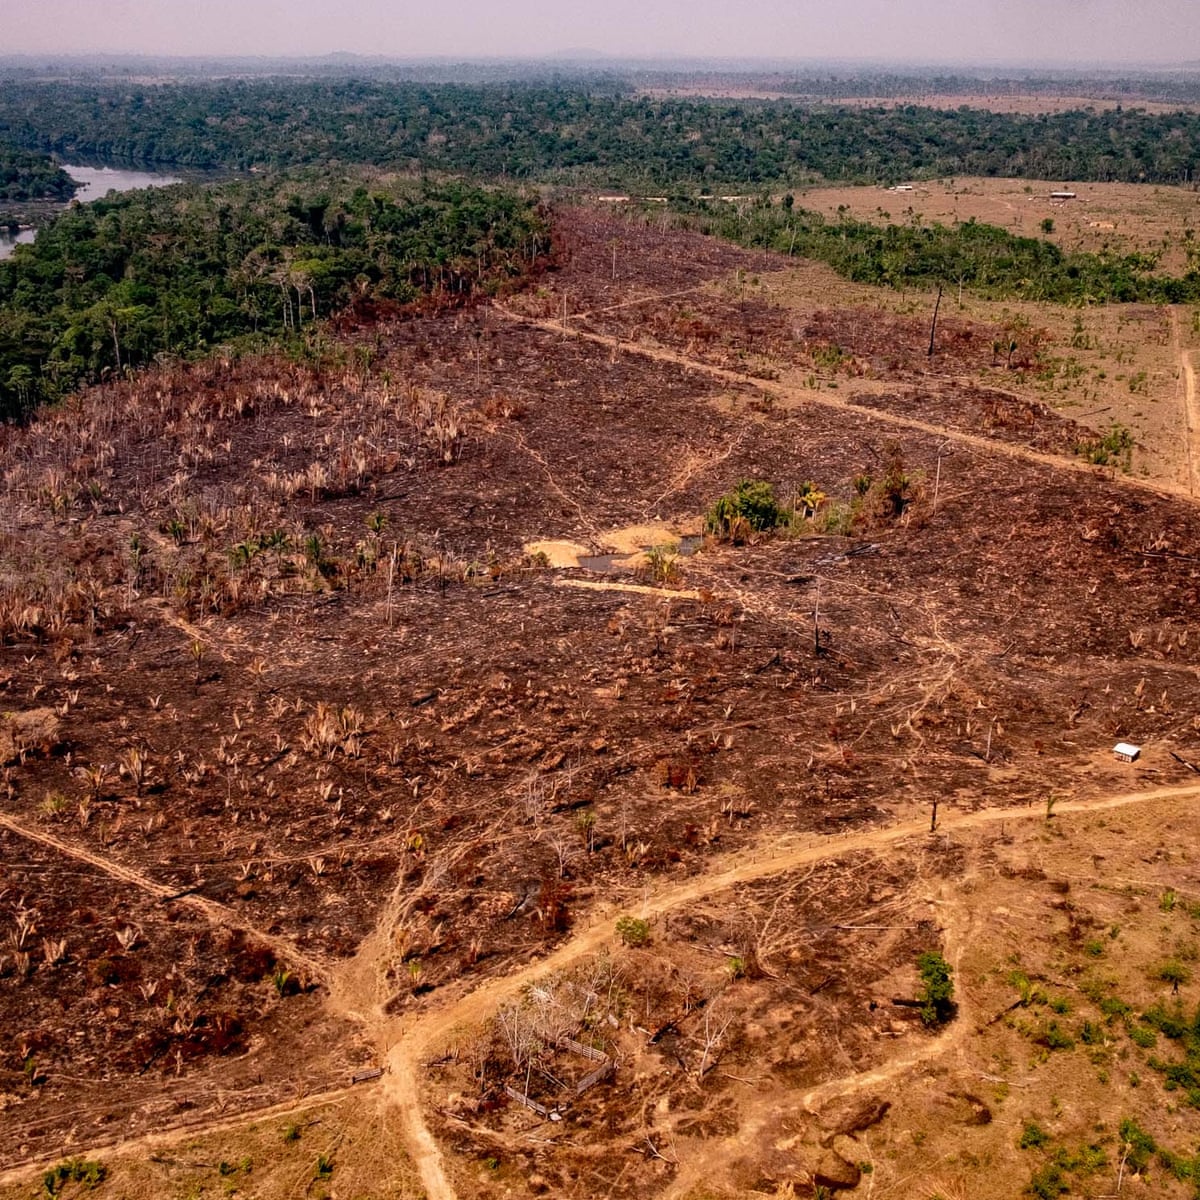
x=716 y=1022
x=520 y=1036
x=933 y=323
x=565 y=851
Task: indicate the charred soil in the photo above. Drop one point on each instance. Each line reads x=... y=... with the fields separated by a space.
x=304 y=675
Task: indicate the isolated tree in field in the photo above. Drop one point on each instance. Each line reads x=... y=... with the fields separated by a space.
x=937 y=988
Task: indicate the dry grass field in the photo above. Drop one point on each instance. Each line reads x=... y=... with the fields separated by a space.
x=315 y=769
x=998 y=102
x=1119 y=218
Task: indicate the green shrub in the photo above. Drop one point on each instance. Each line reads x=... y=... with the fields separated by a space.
x=1113 y=1007
x=1181 y=1166
x=1053 y=1037
x=1138 y=1144
x=1170 y=1022
x=1033 y=1136
x=750 y=508
x=633 y=931
x=937 y=988
x=1173 y=972
x=1050 y=1180
x=1048 y=1183
x=1139 y=1035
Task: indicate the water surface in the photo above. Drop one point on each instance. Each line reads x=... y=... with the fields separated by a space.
x=99 y=181
x=9 y=240
x=94 y=182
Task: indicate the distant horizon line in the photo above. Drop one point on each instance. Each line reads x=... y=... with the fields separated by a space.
x=587 y=57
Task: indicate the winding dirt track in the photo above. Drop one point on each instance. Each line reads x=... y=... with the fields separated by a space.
x=801 y=396
x=408 y=1048
x=1191 y=413
x=214 y=912
x=170 y=1134
x=430 y=1033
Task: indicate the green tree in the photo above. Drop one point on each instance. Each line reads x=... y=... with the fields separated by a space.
x=937 y=988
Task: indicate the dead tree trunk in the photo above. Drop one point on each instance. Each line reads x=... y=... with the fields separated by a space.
x=933 y=323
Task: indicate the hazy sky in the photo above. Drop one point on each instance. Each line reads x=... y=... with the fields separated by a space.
x=929 y=30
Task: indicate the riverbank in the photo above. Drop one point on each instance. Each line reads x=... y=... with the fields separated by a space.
x=20 y=222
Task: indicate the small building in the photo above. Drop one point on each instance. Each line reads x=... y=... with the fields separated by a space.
x=1126 y=752
x=1060 y=196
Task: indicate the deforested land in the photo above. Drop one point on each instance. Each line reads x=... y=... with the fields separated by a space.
x=537 y=660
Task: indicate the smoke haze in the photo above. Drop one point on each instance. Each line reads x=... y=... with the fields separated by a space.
x=984 y=31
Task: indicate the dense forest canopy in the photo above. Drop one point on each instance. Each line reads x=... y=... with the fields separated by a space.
x=113 y=284
x=25 y=175
x=177 y=270
x=569 y=133
x=985 y=259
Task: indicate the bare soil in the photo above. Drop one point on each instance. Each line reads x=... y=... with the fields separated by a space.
x=309 y=683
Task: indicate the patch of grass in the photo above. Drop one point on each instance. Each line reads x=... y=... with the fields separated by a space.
x=1052 y=1178
x=1113 y=449
x=86 y=1172
x=1182 y=1074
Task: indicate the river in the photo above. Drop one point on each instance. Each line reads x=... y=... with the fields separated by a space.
x=94 y=182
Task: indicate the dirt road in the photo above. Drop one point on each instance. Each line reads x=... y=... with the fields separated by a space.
x=213 y=911
x=409 y=1044
x=1191 y=414
x=432 y=1033
x=805 y=396
x=408 y=1041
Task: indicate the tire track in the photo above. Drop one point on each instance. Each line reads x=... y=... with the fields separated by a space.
x=409 y=1048
x=215 y=912
x=19 y=1172
x=806 y=397
x=1191 y=415
x=430 y=1033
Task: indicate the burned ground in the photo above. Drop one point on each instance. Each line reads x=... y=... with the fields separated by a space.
x=304 y=670
x=772 y=988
